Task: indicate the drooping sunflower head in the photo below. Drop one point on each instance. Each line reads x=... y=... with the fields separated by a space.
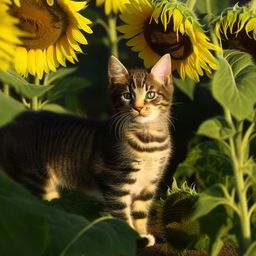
x=159 y=27
x=9 y=36
x=112 y=5
x=236 y=29
x=55 y=33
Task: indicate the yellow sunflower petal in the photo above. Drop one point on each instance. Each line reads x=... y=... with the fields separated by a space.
x=39 y=63
x=31 y=62
x=59 y=30
x=21 y=59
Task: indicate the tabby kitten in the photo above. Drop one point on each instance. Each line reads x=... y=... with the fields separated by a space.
x=123 y=158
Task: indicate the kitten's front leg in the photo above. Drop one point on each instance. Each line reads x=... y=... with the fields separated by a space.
x=140 y=211
x=118 y=201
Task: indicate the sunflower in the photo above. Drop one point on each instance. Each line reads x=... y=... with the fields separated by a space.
x=112 y=5
x=9 y=36
x=173 y=216
x=158 y=27
x=54 y=28
x=236 y=29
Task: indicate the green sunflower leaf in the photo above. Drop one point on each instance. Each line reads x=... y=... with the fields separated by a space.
x=212 y=198
x=216 y=128
x=60 y=73
x=251 y=251
x=29 y=226
x=233 y=84
x=208 y=162
x=21 y=86
x=187 y=86
x=9 y=108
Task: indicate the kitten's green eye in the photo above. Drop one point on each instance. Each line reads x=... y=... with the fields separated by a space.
x=127 y=95
x=150 y=95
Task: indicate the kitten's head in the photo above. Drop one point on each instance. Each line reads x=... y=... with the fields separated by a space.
x=144 y=95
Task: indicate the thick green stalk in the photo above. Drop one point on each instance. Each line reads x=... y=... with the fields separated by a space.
x=112 y=33
x=34 y=104
x=6 y=89
x=191 y=4
x=237 y=159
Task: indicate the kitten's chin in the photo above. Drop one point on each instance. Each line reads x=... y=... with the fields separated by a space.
x=144 y=119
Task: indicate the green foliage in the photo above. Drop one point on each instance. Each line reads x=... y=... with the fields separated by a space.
x=225 y=169
x=22 y=86
x=216 y=128
x=233 y=84
x=29 y=226
x=187 y=86
x=208 y=162
x=14 y=107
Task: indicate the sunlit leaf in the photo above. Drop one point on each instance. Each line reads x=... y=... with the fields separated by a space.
x=216 y=128
x=233 y=84
x=21 y=85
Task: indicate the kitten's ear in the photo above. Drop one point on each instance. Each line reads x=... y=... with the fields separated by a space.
x=116 y=70
x=162 y=70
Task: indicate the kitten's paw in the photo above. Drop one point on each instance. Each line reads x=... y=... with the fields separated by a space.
x=146 y=240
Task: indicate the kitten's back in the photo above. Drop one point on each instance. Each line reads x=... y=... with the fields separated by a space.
x=37 y=144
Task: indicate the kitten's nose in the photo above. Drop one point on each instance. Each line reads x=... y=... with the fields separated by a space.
x=138 y=105
x=138 y=108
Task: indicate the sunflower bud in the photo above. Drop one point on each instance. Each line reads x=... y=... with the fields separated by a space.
x=159 y=27
x=173 y=217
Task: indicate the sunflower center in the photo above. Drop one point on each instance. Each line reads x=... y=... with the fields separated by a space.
x=45 y=24
x=162 y=42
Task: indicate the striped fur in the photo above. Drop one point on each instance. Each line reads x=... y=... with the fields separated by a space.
x=122 y=159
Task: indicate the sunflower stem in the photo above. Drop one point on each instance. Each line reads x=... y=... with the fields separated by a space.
x=214 y=38
x=35 y=101
x=191 y=4
x=238 y=160
x=6 y=89
x=253 y=5
x=113 y=39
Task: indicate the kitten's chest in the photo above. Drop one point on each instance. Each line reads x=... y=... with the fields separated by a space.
x=150 y=170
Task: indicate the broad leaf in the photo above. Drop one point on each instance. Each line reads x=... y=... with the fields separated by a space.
x=60 y=73
x=187 y=86
x=107 y=232
x=208 y=162
x=210 y=199
x=22 y=231
x=251 y=251
x=216 y=128
x=9 y=108
x=21 y=85
x=54 y=230
x=233 y=84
